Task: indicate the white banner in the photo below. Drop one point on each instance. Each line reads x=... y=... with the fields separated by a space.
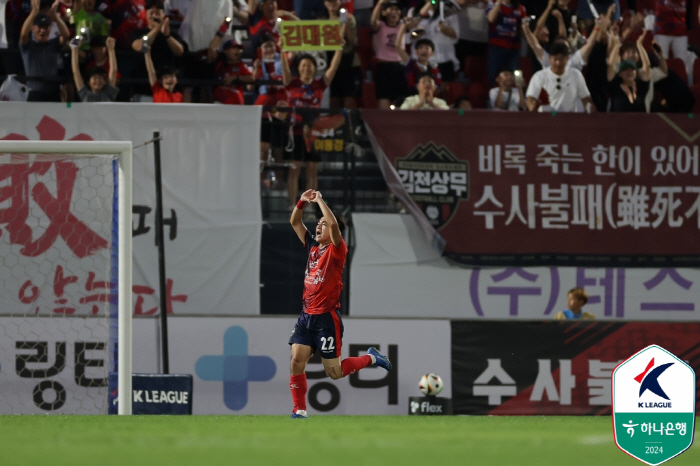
x=211 y=197
x=396 y=273
x=240 y=365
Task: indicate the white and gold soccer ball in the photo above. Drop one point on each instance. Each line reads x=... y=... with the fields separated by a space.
x=430 y=384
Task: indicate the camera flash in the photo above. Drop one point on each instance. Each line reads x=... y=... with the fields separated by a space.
x=343 y=11
x=228 y=19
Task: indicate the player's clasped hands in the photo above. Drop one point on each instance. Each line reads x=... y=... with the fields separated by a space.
x=311 y=196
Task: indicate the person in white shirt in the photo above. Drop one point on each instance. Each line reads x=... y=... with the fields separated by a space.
x=564 y=86
x=508 y=95
x=425 y=99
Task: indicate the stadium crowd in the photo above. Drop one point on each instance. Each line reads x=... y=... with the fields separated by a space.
x=537 y=55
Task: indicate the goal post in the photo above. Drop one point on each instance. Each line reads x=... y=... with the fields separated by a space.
x=76 y=150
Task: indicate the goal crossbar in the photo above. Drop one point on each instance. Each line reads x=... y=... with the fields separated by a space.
x=123 y=150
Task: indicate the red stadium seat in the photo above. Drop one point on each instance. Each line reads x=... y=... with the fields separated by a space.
x=364 y=48
x=696 y=71
x=454 y=90
x=369 y=96
x=475 y=69
x=678 y=66
x=478 y=95
x=696 y=93
x=526 y=67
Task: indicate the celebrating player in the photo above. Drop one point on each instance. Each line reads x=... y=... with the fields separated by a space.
x=319 y=325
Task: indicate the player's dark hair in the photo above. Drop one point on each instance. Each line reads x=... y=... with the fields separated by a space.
x=167 y=70
x=306 y=56
x=559 y=48
x=427 y=42
x=160 y=4
x=579 y=293
x=95 y=71
x=341 y=221
x=424 y=74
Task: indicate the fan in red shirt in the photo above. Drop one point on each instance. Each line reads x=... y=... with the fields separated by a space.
x=306 y=91
x=229 y=67
x=320 y=326
x=162 y=84
x=269 y=68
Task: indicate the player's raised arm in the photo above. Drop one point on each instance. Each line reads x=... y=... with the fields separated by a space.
x=295 y=219
x=331 y=222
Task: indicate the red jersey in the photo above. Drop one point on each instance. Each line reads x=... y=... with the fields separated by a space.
x=234 y=70
x=505 y=31
x=670 y=18
x=323 y=279
x=163 y=96
x=306 y=95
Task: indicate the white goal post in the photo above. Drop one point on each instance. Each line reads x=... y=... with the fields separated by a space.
x=87 y=149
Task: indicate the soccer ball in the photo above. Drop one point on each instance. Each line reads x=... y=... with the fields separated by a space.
x=430 y=384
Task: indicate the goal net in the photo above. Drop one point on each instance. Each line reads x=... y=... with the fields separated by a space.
x=65 y=276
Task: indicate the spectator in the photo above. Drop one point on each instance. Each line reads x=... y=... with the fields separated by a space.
x=347 y=85
x=102 y=86
x=41 y=57
x=305 y=91
x=262 y=18
x=425 y=99
x=558 y=21
x=671 y=32
x=86 y=17
x=269 y=67
x=462 y=103
x=473 y=30
x=576 y=298
x=162 y=84
x=126 y=17
x=203 y=19
x=505 y=19
x=416 y=66
x=443 y=32
x=165 y=47
x=390 y=78
x=98 y=56
x=585 y=14
x=628 y=85
x=564 y=86
x=229 y=67
x=508 y=95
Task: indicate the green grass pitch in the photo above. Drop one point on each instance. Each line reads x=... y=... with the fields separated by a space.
x=320 y=440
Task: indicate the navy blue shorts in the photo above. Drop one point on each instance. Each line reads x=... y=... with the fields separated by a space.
x=319 y=331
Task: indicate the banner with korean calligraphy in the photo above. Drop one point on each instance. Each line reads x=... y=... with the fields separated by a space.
x=310 y=35
x=392 y=253
x=211 y=199
x=559 y=368
x=505 y=188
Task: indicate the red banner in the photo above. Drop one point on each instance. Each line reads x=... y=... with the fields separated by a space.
x=543 y=189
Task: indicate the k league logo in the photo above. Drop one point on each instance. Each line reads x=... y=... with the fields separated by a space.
x=653 y=405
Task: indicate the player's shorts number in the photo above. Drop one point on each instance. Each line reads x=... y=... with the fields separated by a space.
x=331 y=344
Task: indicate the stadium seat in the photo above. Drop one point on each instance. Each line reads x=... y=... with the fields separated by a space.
x=478 y=95
x=475 y=69
x=526 y=67
x=696 y=71
x=364 y=48
x=369 y=96
x=678 y=66
x=454 y=90
x=695 y=89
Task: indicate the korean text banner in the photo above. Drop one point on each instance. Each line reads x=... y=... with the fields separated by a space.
x=310 y=35
x=571 y=189
x=211 y=202
x=540 y=368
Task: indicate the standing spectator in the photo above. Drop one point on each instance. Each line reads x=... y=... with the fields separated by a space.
x=102 y=86
x=417 y=66
x=306 y=91
x=163 y=83
x=505 y=18
x=584 y=11
x=99 y=57
x=563 y=85
x=126 y=17
x=559 y=20
x=269 y=67
x=41 y=57
x=347 y=85
x=165 y=47
x=473 y=30
x=443 y=32
x=425 y=99
x=229 y=67
x=262 y=19
x=390 y=79
x=507 y=96
x=671 y=32
x=86 y=17
x=628 y=86
x=203 y=19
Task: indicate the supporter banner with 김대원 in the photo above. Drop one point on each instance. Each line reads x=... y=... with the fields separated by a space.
x=310 y=35
x=558 y=368
x=537 y=189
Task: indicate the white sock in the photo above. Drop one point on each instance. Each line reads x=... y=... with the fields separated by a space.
x=374 y=360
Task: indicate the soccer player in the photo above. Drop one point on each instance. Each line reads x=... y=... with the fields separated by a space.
x=319 y=326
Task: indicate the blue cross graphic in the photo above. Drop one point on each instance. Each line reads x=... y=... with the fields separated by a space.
x=235 y=368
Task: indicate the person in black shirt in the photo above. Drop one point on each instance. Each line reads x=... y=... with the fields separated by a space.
x=628 y=84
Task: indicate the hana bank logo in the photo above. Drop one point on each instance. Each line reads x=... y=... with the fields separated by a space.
x=235 y=368
x=649 y=380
